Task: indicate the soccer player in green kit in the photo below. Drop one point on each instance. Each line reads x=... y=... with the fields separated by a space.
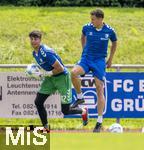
x=56 y=78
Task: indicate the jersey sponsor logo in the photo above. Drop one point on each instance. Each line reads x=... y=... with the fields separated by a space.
x=106 y=35
x=41 y=63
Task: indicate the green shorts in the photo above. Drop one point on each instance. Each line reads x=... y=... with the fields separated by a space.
x=61 y=83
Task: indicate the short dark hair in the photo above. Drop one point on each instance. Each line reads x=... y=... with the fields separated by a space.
x=35 y=33
x=98 y=13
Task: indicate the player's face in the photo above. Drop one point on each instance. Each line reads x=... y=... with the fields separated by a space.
x=97 y=22
x=35 y=42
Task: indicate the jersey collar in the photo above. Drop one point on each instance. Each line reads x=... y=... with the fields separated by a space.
x=99 y=28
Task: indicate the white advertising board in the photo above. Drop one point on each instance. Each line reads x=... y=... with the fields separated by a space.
x=17 y=95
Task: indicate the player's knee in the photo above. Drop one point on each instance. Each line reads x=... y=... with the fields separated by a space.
x=74 y=73
x=99 y=87
x=40 y=99
x=36 y=102
x=100 y=94
x=99 y=90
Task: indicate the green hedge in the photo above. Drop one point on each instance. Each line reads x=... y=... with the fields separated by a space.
x=113 y=3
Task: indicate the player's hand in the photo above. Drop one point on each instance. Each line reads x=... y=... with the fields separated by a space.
x=38 y=74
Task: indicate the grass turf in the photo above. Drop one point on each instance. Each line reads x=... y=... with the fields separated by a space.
x=102 y=141
x=72 y=124
x=84 y=141
x=61 y=29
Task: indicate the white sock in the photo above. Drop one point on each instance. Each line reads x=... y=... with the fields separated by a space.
x=80 y=96
x=100 y=119
x=83 y=111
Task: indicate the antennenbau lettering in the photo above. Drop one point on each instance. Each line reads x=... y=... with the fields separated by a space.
x=22 y=135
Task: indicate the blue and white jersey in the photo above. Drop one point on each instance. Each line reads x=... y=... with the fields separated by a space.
x=46 y=57
x=97 y=40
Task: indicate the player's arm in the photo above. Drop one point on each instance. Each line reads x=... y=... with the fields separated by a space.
x=58 y=68
x=112 y=52
x=113 y=38
x=83 y=40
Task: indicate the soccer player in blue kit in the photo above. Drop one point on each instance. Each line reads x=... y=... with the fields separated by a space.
x=56 y=78
x=94 y=40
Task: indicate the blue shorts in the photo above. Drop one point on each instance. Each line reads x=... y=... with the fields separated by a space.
x=97 y=66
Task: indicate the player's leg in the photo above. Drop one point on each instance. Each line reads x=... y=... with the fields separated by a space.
x=63 y=84
x=98 y=67
x=80 y=69
x=46 y=89
x=100 y=103
x=75 y=73
x=67 y=110
x=39 y=102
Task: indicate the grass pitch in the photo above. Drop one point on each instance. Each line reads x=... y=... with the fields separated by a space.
x=62 y=30
x=73 y=123
x=83 y=141
x=100 y=141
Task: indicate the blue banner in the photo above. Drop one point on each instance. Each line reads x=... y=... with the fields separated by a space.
x=124 y=95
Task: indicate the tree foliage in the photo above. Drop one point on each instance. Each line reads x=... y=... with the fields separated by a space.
x=111 y=3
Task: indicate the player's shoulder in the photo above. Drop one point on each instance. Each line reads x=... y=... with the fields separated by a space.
x=109 y=28
x=33 y=52
x=45 y=50
x=88 y=25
